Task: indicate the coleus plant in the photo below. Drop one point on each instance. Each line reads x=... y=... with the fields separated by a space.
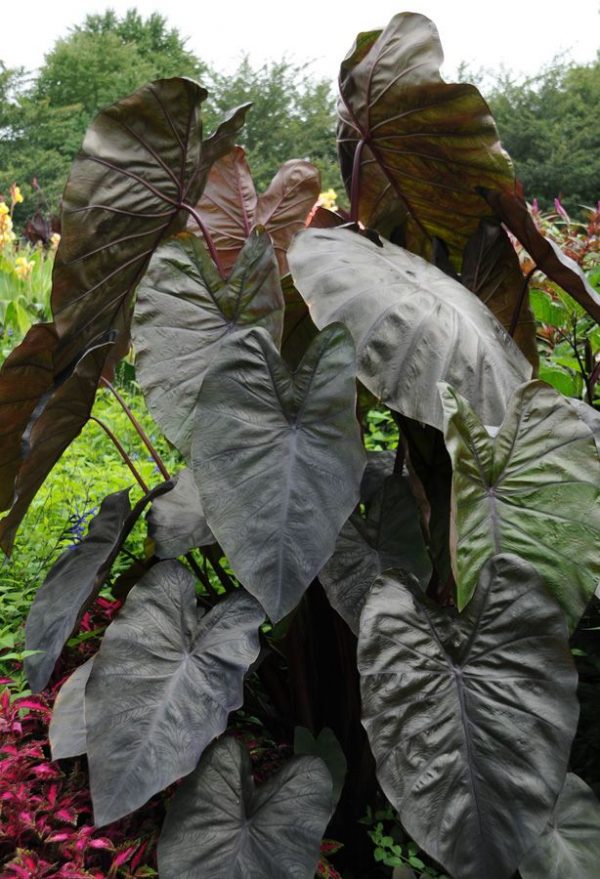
x=424 y=598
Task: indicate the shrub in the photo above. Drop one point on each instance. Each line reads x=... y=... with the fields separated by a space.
x=402 y=617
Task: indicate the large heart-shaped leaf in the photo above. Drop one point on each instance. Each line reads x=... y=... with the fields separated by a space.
x=470 y=717
x=298 y=328
x=533 y=489
x=219 y=826
x=162 y=686
x=176 y=521
x=74 y=582
x=412 y=324
x=278 y=459
x=570 y=844
x=327 y=747
x=183 y=313
x=67 y=731
x=491 y=270
x=390 y=537
x=141 y=159
x=413 y=148
x=509 y=205
x=230 y=207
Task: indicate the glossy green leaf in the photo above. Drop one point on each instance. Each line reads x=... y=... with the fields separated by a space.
x=570 y=844
x=533 y=489
x=470 y=717
x=389 y=537
x=420 y=145
x=183 y=313
x=67 y=731
x=219 y=826
x=176 y=521
x=412 y=324
x=278 y=459
x=163 y=684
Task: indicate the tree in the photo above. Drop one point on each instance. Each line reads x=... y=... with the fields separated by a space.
x=292 y=116
x=98 y=62
x=550 y=126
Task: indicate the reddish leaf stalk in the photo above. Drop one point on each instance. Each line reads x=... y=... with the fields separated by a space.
x=122 y=453
x=207 y=237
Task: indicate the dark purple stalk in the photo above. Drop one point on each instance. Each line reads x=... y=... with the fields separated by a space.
x=207 y=237
x=122 y=453
x=517 y=312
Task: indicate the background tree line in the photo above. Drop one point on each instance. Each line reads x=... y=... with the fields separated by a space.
x=549 y=123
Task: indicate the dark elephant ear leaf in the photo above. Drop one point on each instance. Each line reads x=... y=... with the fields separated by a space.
x=144 y=731
x=183 y=314
x=570 y=844
x=532 y=489
x=278 y=458
x=411 y=324
x=27 y=375
x=285 y=205
x=390 y=537
x=74 y=583
x=219 y=826
x=298 y=327
x=142 y=161
x=492 y=271
x=420 y=146
x=59 y=416
x=228 y=206
x=176 y=521
x=470 y=717
x=509 y=205
x=67 y=732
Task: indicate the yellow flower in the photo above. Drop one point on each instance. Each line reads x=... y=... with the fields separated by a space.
x=328 y=199
x=6 y=226
x=54 y=240
x=3 y=209
x=15 y=194
x=23 y=267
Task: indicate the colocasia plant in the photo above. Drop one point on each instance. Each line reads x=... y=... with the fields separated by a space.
x=402 y=616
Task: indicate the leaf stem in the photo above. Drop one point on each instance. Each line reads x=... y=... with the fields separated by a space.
x=355 y=183
x=138 y=427
x=517 y=312
x=207 y=237
x=122 y=453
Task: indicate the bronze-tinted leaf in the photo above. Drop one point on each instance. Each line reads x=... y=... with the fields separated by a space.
x=220 y=826
x=141 y=159
x=59 y=416
x=509 y=205
x=420 y=145
x=492 y=271
x=298 y=327
x=470 y=717
x=230 y=207
x=183 y=314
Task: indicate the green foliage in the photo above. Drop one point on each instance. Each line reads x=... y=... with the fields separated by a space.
x=292 y=116
x=550 y=126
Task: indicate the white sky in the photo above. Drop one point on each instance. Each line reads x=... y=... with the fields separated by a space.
x=522 y=35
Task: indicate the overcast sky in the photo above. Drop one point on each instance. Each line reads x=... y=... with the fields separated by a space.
x=522 y=35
